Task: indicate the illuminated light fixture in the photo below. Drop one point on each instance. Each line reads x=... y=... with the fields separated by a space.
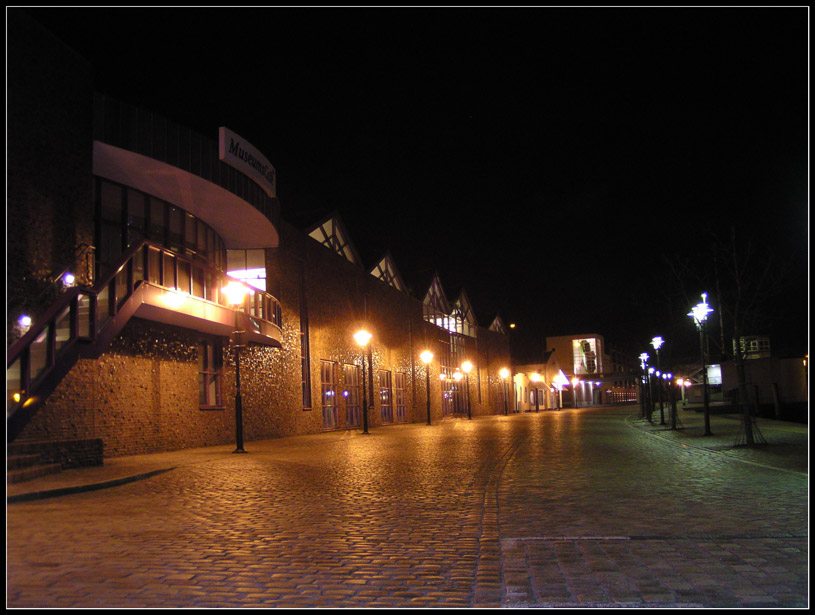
x=651 y=370
x=30 y=401
x=235 y=292
x=700 y=311
x=575 y=382
x=467 y=367
x=458 y=376
x=426 y=357
x=688 y=383
x=68 y=279
x=17 y=397
x=174 y=299
x=643 y=360
x=512 y=325
x=24 y=321
x=657 y=342
x=536 y=377
x=442 y=376
x=504 y=372
x=362 y=337
x=560 y=379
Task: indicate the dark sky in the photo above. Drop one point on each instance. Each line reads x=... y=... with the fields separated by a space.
x=548 y=160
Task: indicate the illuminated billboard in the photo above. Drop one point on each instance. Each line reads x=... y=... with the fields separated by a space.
x=586 y=356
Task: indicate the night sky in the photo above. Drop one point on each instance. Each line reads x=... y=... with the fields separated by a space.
x=551 y=161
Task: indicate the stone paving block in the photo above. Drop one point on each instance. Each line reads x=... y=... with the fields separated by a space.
x=510 y=521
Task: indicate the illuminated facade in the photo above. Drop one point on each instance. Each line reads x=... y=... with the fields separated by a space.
x=575 y=371
x=153 y=221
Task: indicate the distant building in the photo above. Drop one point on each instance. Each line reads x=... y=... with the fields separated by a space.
x=753 y=347
x=576 y=370
x=770 y=381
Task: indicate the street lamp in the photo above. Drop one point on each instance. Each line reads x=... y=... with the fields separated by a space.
x=699 y=314
x=650 y=393
x=426 y=358
x=235 y=293
x=466 y=368
x=657 y=343
x=672 y=399
x=362 y=337
x=644 y=366
x=536 y=378
x=504 y=373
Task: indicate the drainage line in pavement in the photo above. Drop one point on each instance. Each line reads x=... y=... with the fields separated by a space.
x=655 y=537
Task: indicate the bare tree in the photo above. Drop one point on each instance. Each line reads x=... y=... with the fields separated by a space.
x=747 y=278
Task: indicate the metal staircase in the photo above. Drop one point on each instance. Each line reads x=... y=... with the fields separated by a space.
x=151 y=282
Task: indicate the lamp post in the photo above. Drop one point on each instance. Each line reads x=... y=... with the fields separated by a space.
x=504 y=373
x=672 y=400
x=536 y=378
x=650 y=393
x=426 y=358
x=644 y=365
x=699 y=314
x=235 y=293
x=657 y=343
x=466 y=368
x=362 y=337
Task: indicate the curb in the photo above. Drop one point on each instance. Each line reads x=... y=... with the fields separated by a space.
x=50 y=493
x=708 y=450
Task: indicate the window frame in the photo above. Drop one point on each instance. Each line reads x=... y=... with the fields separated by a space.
x=215 y=371
x=328 y=392
x=386 y=396
x=352 y=395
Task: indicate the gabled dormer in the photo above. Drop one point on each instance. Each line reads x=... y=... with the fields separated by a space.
x=436 y=308
x=386 y=271
x=332 y=233
x=498 y=325
x=464 y=316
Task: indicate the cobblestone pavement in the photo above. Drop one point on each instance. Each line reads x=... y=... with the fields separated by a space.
x=569 y=508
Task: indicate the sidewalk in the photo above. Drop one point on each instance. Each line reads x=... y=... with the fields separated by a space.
x=779 y=444
x=787 y=449
x=115 y=471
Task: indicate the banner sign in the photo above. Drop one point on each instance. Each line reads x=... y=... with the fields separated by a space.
x=237 y=152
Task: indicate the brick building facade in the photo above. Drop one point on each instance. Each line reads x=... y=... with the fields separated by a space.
x=142 y=216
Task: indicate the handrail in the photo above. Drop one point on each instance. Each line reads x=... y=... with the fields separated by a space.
x=81 y=314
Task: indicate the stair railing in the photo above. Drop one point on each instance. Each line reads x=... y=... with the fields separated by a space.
x=86 y=317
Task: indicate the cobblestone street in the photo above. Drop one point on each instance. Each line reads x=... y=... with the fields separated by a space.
x=568 y=508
